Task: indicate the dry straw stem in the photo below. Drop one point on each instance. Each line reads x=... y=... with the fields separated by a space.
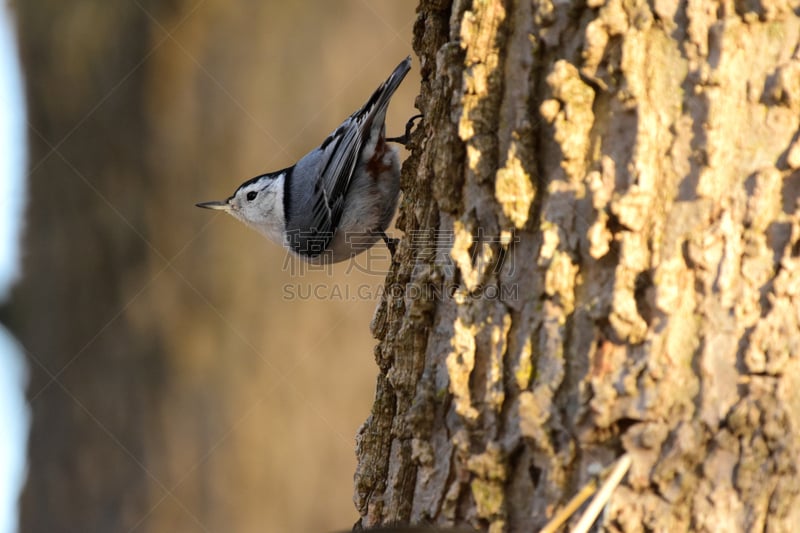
x=621 y=465
x=620 y=469
x=572 y=506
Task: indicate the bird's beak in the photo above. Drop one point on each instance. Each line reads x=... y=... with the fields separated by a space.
x=221 y=205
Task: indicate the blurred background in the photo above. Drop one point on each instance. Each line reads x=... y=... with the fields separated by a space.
x=184 y=374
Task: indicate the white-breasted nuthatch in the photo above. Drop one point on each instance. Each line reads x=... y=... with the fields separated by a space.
x=338 y=199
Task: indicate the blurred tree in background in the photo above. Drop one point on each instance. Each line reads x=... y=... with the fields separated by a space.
x=176 y=384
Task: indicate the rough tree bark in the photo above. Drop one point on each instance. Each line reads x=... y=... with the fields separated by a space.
x=612 y=191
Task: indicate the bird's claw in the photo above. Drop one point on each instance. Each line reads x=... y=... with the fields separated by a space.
x=405 y=139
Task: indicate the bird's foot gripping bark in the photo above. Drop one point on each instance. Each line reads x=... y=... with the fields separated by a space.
x=406 y=137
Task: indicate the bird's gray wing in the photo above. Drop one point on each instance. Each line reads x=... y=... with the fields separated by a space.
x=315 y=197
x=337 y=159
x=340 y=156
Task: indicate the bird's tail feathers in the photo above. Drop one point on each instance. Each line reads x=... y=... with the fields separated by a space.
x=379 y=100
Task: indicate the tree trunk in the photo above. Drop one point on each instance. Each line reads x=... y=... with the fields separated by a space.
x=601 y=256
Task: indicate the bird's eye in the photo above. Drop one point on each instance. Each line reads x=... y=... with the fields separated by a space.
x=251 y=196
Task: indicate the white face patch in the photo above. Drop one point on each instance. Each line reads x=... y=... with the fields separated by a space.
x=260 y=205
